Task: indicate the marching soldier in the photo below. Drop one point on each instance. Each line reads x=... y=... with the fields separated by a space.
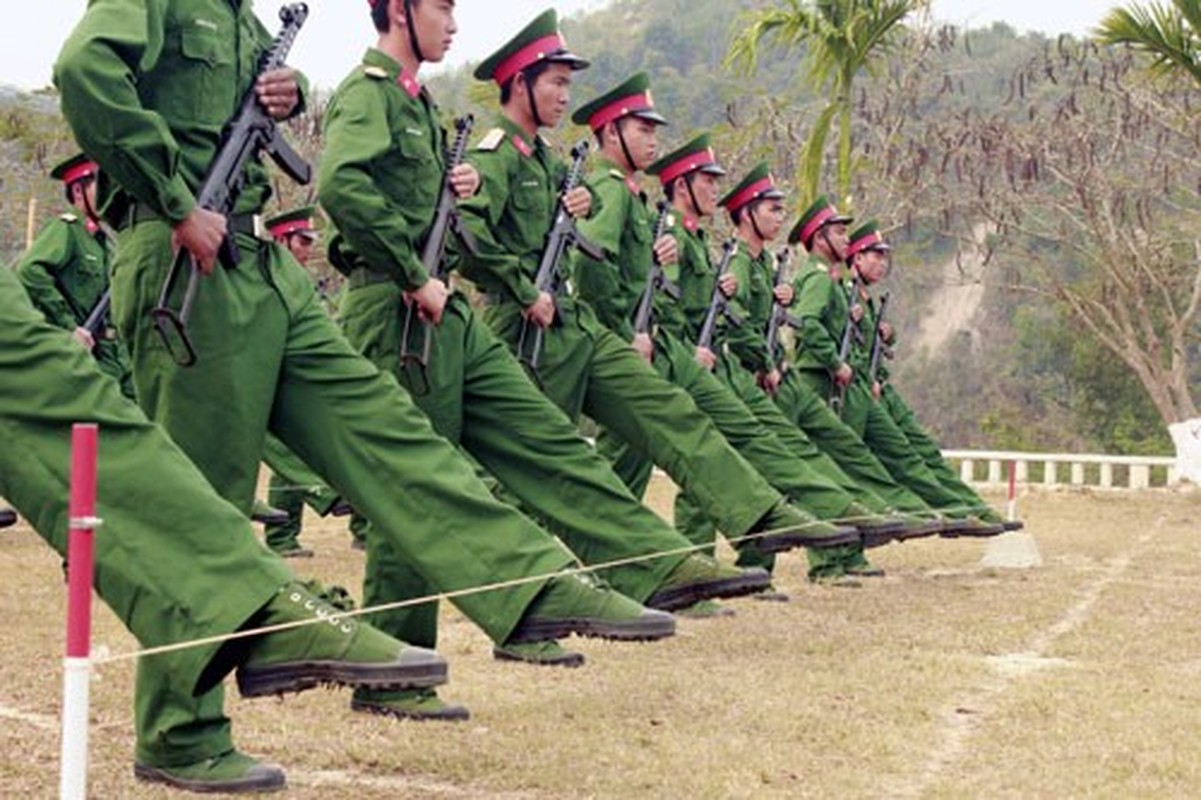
x=582 y=366
x=65 y=270
x=381 y=180
x=269 y=356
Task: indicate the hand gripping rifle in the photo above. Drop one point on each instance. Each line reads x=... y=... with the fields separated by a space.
x=779 y=314
x=96 y=321
x=415 y=336
x=251 y=131
x=719 y=304
x=562 y=236
x=850 y=334
x=879 y=347
x=656 y=281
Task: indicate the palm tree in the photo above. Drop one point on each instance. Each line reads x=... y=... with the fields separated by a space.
x=1169 y=34
x=842 y=38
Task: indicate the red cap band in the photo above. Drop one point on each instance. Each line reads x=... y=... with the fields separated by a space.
x=814 y=225
x=293 y=226
x=620 y=108
x=80 y=171
x=532 y=52
x=749 y=193
x=687 y=164
x=871 y=240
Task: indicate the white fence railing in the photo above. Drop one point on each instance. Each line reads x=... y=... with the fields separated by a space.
x=1105 y=472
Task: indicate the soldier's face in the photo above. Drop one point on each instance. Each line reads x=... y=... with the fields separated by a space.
x=836 y=237
x=642 y=139
x=705 y=187
x=552 y=93
x=434 y=24
x=872 y=265
x=769 y=217
x=301 y=247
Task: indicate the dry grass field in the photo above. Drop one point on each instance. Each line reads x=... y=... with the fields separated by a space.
x=1081 y=678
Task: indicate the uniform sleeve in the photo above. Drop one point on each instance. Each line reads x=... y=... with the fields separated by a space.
x=696 y=282
x=37 y=269
x=601 y=283
x=746 y=341
x=813 y=292
x=357 y=135
x=481 y=215
x=96 y=73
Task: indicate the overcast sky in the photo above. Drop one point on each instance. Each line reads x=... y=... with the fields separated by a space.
x=337 y=30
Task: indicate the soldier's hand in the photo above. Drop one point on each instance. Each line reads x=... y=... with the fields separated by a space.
x=201 y=233
x=542 y=312
x=706 y=358
x=278 y=92
x=465 y=180
x=430 y=300
x=857 y=313
x=770 y=381
x=644 y=347
x=784 y=294
x=728 y=284
x=84 y=337
x=578 y=202
x=844 y=374
x=666 y=250
x=877 y=390
x=886 y=332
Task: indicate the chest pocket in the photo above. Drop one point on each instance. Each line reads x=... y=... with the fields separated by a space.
x=418 y=164
x=195 y=79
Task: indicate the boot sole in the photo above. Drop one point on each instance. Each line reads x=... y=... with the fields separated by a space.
x=448 y=714
x=273 y=782
x=568 y=661
x=690 y=594
x=646 y=629
x=299 y=676
x=7 y=519
x=781 y=542
x=973 y=533
x=905 y=534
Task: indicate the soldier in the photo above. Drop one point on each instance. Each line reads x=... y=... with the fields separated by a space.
x=382 y=175
x=822 y=309
x=869 y=257
x=174 y=561
x=164 y=77
x=584 y=367
x=65 y=270
x=292 y=483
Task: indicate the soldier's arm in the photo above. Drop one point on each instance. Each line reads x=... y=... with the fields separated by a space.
x=602 y=283
x=481 y=215
x=813 y=297
x=358 y=137
x=37 y=268
x=747 y=340
x=696 y=281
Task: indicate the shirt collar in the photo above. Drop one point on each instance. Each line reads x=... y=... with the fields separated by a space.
x=397 y=73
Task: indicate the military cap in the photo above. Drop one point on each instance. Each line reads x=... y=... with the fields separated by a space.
x=630 y=99
x=538 y=41
x=695 y=156
x=822 y=212
x=867 y=237
x=757 y=185
x=298 y=220
x=75 y=168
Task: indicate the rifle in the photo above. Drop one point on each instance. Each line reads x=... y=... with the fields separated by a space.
x=562 y=235
x=251 y=131
x=719 y=304
x=415 y=336
x=849 y=334
x=95 y=323
x=878 y=345
x=779 y=314
x=657 y=280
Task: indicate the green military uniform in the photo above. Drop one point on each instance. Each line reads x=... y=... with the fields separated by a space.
x=585 y=367
x=381 y=177
x=65 y=273
x=269 y=356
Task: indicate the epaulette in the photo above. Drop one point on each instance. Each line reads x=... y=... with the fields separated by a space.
x=67 y=216
x=372 y=71
x=671 y=221
x=616 y=173
x=491 y=140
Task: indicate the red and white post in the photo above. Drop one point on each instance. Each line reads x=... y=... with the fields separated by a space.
x=77 y=665
x=1011 y=508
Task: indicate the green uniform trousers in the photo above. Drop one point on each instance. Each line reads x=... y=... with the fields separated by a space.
x=872 y=423
x=292 y=485
x=922 y=442
x=477 y=395
x=586 y=368
x=809 y=411
x=173 y=560
x=270 y=357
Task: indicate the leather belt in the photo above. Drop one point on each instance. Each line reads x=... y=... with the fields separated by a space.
x=361 y=276
x=247 y=224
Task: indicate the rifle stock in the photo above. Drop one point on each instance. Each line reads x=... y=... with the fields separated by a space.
x=878 y=346
x=779 y=314
x=839 y=394
x=656 y=281
x=719 y=304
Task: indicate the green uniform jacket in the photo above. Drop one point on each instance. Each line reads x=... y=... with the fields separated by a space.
x=623 y=227
x=130 y=60
x=869 y=325
x=691 y=274
x=755 y=297
x=381 y=172
x=821 y=308
x=512 y=213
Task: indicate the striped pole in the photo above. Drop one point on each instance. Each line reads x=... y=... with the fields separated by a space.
x=77 y=667
x=1011 y=510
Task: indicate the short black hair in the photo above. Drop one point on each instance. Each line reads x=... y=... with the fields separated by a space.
x=379 y=16
x=532 y=73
